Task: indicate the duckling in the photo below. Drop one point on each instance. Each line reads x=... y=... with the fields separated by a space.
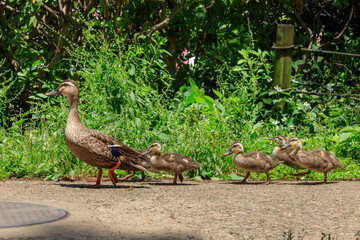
x=287 y=155
x=316 y=160
x=91 y=146
x=173 y=163
x=116 y=153
x=252 y=162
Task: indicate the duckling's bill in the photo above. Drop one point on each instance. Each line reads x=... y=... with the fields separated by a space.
x=228 y=152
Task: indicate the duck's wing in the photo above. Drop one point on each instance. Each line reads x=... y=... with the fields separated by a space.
x=187 y=161
x=180 y=162
x=169 y=157
x=263 y=160
x=287 y=155
x=100 y=142
x=325 y=159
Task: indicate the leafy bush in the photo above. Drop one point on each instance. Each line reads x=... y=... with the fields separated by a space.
x=119 y=95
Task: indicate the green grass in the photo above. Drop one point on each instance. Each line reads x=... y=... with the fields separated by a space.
x=119 y=96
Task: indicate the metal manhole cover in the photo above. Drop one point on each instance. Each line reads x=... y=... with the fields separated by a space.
x=16 y=214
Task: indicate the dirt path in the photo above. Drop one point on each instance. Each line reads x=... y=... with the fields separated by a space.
x=194 y=210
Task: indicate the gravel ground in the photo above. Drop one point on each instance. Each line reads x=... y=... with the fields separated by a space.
x=155 y=209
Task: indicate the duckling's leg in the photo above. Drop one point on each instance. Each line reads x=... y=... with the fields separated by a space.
x=97 y=180
x=181 y=177
x=142 y=175
x=175 y=177
x=112 y=174
x=268 y=178
x=325 y=179
x=127 y=177
x=301 y=173
x=246 y=176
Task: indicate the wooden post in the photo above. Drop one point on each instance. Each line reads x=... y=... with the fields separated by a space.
x=283 y=57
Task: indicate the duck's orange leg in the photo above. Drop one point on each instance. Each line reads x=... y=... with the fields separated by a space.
x=97 y=180
x=112 y=174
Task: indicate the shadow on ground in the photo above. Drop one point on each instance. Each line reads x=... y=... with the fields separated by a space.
x=62 y=232
x=119 y=185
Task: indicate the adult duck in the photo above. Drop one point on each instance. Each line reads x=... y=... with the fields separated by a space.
x=91 y=146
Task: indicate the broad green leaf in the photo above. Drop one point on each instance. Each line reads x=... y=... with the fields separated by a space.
x=132 y=70
x=218 y=93
x=193 y=85
x=36 y=63
x=209 y=99
x=196 y=178
x=235 y=177
x=267 y=101
x=199 y=99
x=344 y=137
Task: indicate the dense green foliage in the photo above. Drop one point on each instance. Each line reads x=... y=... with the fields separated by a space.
x=129 y=88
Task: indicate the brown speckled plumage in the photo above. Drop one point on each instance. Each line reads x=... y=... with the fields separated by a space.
x=287 y=155
x=316 y=160
x=173 y=163
x=252 y=162
x=91 y=146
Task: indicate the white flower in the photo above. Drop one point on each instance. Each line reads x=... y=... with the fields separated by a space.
x=275 y=122
x=292 y=126
x=269 y=79
x=283 y=119
x=306 y=104
x=294 y=81
x=278 y=88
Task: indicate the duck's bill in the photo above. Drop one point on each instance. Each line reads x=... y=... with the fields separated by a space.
x=55 y=92
x=286 y=145
x=228 y=152
x=271 y=139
